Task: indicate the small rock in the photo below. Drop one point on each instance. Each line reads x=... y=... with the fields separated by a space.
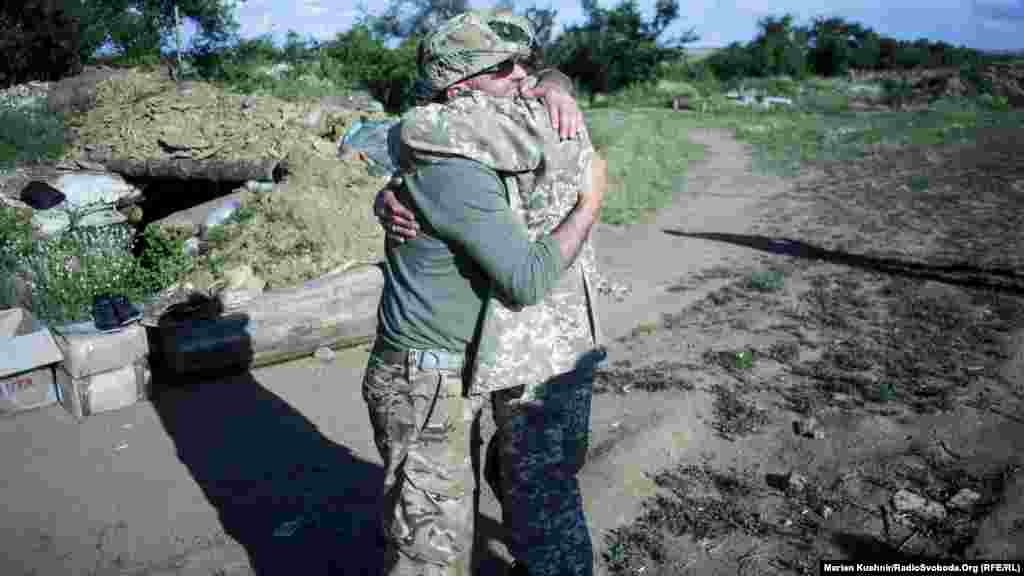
x=790 y=483
x=324 y=354
x=907 y=501
x=192 y=246
x=964 y=500
x=809 y=428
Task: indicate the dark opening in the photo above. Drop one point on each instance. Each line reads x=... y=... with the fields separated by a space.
x=165 y=197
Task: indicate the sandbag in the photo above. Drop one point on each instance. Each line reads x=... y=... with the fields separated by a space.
x=371 y=138
x=97 y=193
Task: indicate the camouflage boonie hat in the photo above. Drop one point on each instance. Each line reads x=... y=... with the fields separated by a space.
x=469 y=43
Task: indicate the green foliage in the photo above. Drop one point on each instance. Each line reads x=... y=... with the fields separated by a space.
x=896 y=93
x=766 y=280
x=406 y=18
x=29 y=134
x=735 y=61
x=617 y=48
x=918 y=183
x=358 y=57
x=162 y=261
x=971 y=75
x=744 y=360
x=15 y=246
x=696 y=74
x=779 y=48
x=69 y=269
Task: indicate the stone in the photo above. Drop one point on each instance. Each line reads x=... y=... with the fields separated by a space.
x=682 y=103
x=242 y=286
x=808 y=428
x=965 y=500
x=908 y=502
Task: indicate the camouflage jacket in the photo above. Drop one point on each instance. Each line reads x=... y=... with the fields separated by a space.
x=542 y=177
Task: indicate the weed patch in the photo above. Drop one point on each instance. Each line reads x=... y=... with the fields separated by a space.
x=734 y=416
x=658 y=377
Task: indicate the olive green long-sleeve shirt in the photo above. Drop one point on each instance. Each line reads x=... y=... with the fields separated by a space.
x=436 y=283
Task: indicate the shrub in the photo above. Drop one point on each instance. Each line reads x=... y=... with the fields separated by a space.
x=15 y=246
x=896 y=93
x=68 y=270
x=29 y=134
x=971 y=76
x=162 y=261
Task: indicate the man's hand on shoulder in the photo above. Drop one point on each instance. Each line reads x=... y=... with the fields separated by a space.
x=565 y=113
x=398 y=221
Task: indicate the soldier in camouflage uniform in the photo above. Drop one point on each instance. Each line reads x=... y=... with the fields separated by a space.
x=536 y=362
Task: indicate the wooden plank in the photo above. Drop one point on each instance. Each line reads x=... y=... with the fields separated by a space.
x=337 y=311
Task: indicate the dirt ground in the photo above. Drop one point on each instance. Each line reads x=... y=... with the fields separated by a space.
x=860 y=394
x=804 y=369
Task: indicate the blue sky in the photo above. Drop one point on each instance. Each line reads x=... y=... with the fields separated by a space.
x=981 y=24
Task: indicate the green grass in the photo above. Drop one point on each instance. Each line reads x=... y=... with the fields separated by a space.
x=647 y=153
x=783 y=139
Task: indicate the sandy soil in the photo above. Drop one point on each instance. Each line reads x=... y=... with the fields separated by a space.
x=765 y=428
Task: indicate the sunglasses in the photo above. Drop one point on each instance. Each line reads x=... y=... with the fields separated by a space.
x=500 y=69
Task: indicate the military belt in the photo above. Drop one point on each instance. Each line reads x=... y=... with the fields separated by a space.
x=422 y=359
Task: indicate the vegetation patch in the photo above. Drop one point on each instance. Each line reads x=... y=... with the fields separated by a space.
x=658 y=377
x=647 y=154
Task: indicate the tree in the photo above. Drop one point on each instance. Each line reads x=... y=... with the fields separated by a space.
x=39 y=40
x=359 y=56
x=405 y=18
x=542 y=20
x=139 y=27
x=779 y=48
x=867 y=55
x=618 y=47
x=833 y=42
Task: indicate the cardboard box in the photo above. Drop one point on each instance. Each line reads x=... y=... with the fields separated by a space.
x=103 y=392
x=88 y=351
x=28 y=355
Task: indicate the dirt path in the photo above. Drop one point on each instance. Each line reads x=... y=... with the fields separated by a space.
x=638 y=435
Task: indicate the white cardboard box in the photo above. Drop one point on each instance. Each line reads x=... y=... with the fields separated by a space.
x=28 y=355
x=88 y=351
x=103 y=392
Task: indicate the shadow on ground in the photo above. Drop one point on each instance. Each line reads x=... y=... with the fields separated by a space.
x=267 y=469
x=965 y=275
x=297 y=501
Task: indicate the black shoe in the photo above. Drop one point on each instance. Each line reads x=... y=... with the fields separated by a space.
x=103 y=313
x=41 y=196
x=518 y=569
x=125 y=312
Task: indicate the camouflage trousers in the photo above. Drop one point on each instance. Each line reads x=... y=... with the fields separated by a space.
x=422 y=425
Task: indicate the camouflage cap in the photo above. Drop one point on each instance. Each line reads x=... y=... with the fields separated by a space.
x=469 y=43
